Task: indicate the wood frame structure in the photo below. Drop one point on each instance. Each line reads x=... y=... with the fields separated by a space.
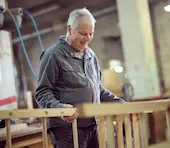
x=132 y=115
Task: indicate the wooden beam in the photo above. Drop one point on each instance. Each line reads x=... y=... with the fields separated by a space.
x=27 y=113
x=89 y=110
x=164 y=144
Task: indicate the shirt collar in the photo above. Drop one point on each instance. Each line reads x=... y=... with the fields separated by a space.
x=70 y=52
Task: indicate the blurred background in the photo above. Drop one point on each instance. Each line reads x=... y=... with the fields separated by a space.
x=131 y=42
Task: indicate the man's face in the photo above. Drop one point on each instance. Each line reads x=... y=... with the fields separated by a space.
x=82 y=35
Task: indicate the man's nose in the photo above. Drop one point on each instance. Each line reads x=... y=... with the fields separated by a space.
x=87 y=37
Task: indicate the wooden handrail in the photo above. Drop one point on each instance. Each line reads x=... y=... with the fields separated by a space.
x=90 y=110
x=39 y=113
x=36 y=113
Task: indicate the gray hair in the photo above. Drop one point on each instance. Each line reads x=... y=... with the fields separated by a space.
x=79 y=14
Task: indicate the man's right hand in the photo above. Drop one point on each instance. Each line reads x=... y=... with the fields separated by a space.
x=69 y=119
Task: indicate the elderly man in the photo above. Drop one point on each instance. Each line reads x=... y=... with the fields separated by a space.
x=70 y=75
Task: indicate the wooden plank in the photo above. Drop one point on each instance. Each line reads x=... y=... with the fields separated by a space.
x=128 y=131
x=143 y=130
x=75 y=134
x=164 y=144
x=101 y=132
x=8 y=133
x=44 y=133
x=168 y=124
x=89 y=110
x=110 y=132
x=35 y=113
x=119 y=129
x=136 y=130
x=27 y=142
x=20 y=130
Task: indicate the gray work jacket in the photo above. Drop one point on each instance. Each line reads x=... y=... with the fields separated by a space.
x=65 y=77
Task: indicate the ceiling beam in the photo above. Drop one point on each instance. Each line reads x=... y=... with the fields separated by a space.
x=97 y=14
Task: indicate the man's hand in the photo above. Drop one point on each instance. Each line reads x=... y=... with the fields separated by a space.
x=69 y=119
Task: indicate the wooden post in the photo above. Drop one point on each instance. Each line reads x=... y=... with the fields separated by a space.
x=143 y=130
x=8 y=133
x=136 y=130
x=44 y=133
x=75 y=134
x=101 y=132
x=110 y=132
x=168 y=124
x=128 y=131
x=119 y=129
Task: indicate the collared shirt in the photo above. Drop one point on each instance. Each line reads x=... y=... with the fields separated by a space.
x=67 y=78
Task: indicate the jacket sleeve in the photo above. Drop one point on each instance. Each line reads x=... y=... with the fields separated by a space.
x=105 y=95
x=48 y=76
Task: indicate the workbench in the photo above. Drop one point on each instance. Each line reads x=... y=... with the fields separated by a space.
x=24 y=136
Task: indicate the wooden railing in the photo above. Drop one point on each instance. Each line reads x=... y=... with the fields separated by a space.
x=131 y=115
x=38 y=113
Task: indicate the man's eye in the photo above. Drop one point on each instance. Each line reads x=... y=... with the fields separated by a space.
x=83 y=33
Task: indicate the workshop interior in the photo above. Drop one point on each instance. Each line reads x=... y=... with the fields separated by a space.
x=131 y=42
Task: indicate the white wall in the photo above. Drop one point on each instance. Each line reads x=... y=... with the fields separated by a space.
x=162 y=27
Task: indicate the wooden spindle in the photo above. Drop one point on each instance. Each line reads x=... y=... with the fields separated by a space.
x=101 y=132
x=119 y=129
x=110 y=132
x=128 y=131
x=75 y=134
x=168 y=124
x=8 y=134
x=136 y=130
x=44 y=132
x=143 y=130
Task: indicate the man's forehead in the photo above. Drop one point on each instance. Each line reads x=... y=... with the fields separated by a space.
x=86 y=25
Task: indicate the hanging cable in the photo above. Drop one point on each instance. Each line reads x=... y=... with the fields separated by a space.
x=36 y=29
x=22 y=43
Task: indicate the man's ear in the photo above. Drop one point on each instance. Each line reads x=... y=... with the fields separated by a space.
x=69 y=29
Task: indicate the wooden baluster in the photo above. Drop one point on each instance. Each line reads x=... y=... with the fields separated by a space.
x=136 y=130
x=44 y=133
x=168 y=124
x=8 y=134
x=143 y=130
x=110 y=132
x=75 y=134
x=119 y=129
x=101 y=132
x=128 y=131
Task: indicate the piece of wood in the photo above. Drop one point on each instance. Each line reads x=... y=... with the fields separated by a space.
x=168 y=124
x=164 y=144
x=27 y=113
x=20 y=130
x=8 y=134
x=101 y=132
x=143 y=130
x=128 y=131
x=89 y=110
x=110 y=132
x=44 y=133
x=136 y=130
x=75 y=134
x=28 y=142
x=119 y=129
